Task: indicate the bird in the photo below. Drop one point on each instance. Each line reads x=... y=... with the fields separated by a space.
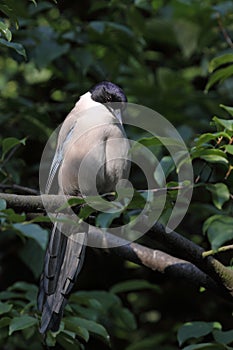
x=91 y=140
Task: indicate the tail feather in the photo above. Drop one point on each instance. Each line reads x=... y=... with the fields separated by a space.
x=54 y=258
x=63 y=262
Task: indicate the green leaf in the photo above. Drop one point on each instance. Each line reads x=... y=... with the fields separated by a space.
x=106 y=299
x=158 y=141
x=68 y=341
x=223 y=337
x=24 y=287
x=98 y=26
x=205 y=346
x=132 y=285
x=223 y=8
x=51 y=338
x=4 y=321
x=143 y=4
x=139 y=200
x=160 y=175
x=33 y=256
x=227 y=124
x=227 y=108
x=229 y=149
x=85 y=298
x=210 y=155
x=40 y=218
x=71 y=203
x=85 y=212
x=4 y=29
x=100 y=204
x=6 y=295
x=124 y=319
x=104 y=220
x=12 y=216
x=48 y=49
x=15 y=46
x=149 y=343
x=9 y=143
x=218 y=229
x=206 y=138
x=20 y=291
x=34 y=2
x=39 y=126
x=35 y=232
x=72 y=326
x=168 y=165
x=187 y=34
x=195 y=330
x=86 y=312
x=219 y=76
x=219 y=61
x=21 y=322
x=220 y=194
x=29 y=332
x=9 y=8
x=4 y=308
x=91 y=326
x=120 y=28
x=101 y=26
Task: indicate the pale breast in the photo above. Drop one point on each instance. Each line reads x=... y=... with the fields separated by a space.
x=95 y=158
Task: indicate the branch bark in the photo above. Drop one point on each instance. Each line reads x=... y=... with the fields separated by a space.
x=33 y=204
x=158 y=261
x=190 y=251
x=188 y=260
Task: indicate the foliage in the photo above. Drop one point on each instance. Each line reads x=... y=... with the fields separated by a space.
x=198 y=330
x=175 y=57
x=20 y=319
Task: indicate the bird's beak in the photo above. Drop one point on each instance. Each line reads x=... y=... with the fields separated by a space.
x=116 y=113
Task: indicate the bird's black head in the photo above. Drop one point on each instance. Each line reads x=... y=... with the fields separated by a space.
x=110 y=94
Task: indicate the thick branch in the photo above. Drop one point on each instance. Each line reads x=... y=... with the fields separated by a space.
x=180 y=246
x=32 y=204
x=188 y=250
x=156 y=260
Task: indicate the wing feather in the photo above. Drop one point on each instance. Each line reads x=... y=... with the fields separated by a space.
x=58 y=157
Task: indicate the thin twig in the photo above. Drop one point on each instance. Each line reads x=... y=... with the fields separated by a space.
x=224 y=32
x=19 y=188
x=161 y=189
x=219 y=250
x=10 y=154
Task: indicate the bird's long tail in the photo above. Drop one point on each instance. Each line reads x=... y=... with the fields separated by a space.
x=63 y=262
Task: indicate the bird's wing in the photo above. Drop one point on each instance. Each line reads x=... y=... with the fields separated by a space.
x=63 y=139
x=63 y=262
x=53 y=170
x=65 y=251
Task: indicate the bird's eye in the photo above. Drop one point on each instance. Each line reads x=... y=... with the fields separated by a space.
x=109 y=98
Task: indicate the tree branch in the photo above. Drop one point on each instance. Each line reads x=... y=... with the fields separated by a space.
x=182 y=248
x=33 y=204
x=157 y=261
x=219 y=250
x=188 y=250
x=224 y=31
x=20 y=189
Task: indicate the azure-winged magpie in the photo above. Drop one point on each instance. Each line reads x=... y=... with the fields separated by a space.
x=94 y=129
